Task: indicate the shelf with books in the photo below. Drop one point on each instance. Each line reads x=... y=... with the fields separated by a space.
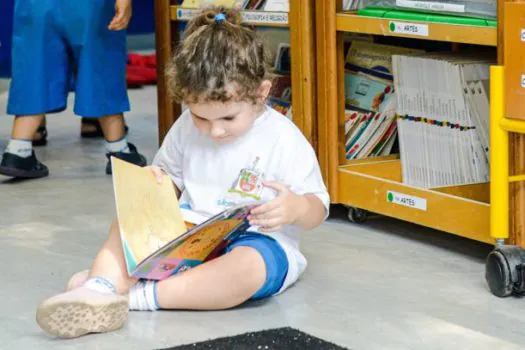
x=299 y=28
x=255 y=17
x=456 y=33
x=376 y=184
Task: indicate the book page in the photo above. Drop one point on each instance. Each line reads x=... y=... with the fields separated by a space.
x=148 y=212
x=203 y=242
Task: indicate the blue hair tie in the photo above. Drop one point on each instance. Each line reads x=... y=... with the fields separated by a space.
x=220 y=17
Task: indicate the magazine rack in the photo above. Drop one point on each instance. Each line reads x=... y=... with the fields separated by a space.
x=300 y=21
x=364 y=185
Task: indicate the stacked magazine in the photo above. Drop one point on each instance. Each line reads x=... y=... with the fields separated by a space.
x=443 y=124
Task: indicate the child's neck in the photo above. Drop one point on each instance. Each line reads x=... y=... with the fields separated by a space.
x=260 y=111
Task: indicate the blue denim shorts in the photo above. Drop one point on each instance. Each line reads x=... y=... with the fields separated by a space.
x=274 y=257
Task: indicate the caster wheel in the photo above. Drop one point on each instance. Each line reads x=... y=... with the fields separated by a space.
x=356 y=215
x=505 y=271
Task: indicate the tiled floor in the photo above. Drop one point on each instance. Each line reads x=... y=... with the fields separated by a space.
x=381 y=285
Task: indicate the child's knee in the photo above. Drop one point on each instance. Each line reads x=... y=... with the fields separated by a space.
x=274 y=261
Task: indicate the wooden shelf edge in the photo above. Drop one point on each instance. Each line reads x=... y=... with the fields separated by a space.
x=443 y=211
x=455 y=33
x=370 y=160
x=257 y=18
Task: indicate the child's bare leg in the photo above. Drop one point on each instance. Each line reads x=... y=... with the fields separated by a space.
x=233 y=277
x=24 y=127
x=111 y=264
x=222 y=283
x=113 y=127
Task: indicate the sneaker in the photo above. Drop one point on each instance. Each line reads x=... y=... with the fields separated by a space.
x=133 y=157
x=82 y=311
x=28 y=167
x=77 y=280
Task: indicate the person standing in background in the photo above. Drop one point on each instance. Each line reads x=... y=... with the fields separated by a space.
x=53 y=41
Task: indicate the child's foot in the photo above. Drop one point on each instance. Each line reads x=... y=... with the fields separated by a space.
x=22 y=167
x=82 y=311
x=77 y=280
x=133 y=156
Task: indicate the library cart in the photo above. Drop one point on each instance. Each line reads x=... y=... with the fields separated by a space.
x=477 y=211
x=374 y=184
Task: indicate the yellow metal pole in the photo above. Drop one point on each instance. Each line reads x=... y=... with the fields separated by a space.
x=499 y=159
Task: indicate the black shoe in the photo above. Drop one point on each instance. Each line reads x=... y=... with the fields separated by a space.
x=41 y=137
x=133 y=157
x=16 y=166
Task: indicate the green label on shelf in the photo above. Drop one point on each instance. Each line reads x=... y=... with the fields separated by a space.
x=406 y=200
x=407 y=28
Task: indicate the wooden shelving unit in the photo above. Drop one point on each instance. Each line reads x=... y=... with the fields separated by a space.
x=370 y=184
x=300 y=21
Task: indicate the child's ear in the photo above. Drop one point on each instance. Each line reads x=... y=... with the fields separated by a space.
x=264 y=89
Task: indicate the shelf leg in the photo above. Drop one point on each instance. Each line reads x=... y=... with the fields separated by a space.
x=499 y=159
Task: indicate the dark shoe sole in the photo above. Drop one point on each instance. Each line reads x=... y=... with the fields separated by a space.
x=31 y=174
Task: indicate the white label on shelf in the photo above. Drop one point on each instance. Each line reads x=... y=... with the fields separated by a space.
x=406 y=200
x=431 y=6
x=408 y=28
x=523 y=35
x=254 y=17
x=523 y=80
x=186 y=14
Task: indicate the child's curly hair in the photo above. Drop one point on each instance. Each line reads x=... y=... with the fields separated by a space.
x=218 y=60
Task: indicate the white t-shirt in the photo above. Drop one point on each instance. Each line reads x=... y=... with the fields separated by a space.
x=211 y=176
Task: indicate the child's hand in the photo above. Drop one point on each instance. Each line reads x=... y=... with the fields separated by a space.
x=283 y=210
x=157 y=172
x=122 y=15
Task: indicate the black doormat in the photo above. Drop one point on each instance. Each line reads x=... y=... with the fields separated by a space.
x=272 y=339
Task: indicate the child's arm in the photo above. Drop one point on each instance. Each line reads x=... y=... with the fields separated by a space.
x=307 y=211
x=159 y=173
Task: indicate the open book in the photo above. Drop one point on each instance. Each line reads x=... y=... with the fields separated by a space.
x=155 y=239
